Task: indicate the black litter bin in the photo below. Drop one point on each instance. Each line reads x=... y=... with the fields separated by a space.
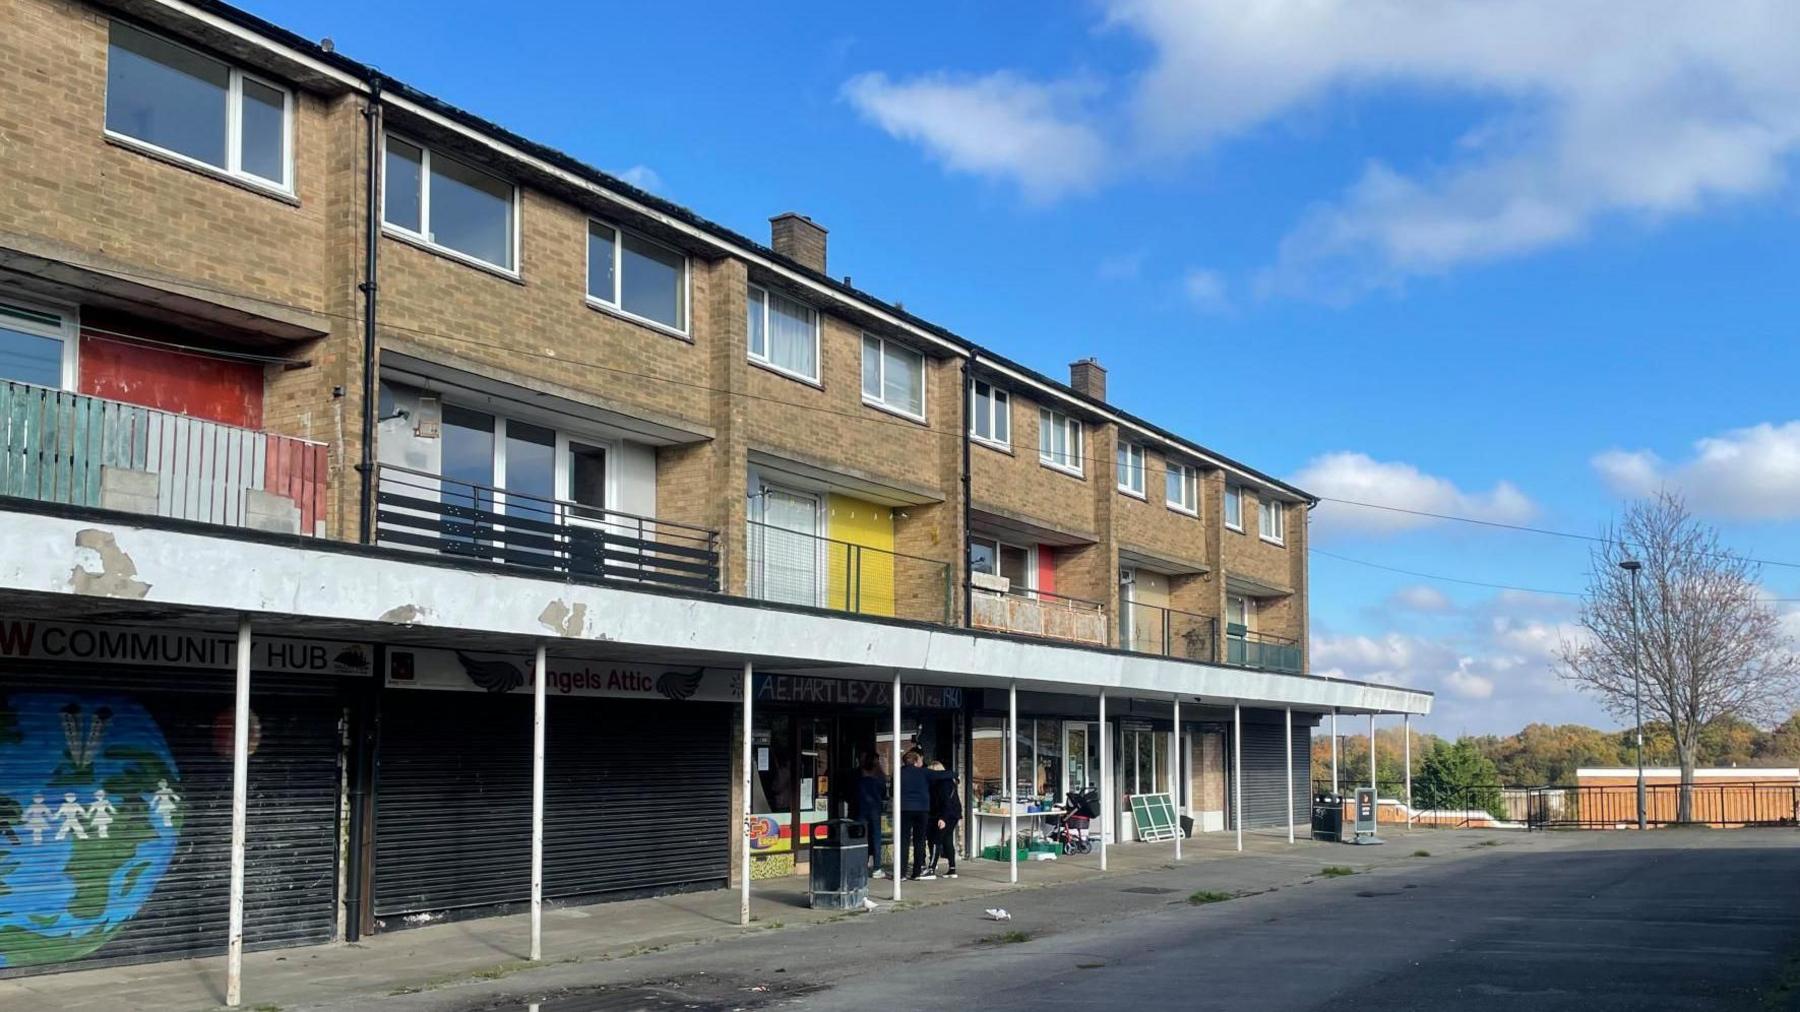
x=1328 y=817
x=840 y=865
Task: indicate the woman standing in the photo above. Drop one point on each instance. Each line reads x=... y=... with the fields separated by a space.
x=946 y=815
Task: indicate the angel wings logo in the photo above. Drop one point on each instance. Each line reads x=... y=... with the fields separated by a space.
x=680 y=685
x=492 y=676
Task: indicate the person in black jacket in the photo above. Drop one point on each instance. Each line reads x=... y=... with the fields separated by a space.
x=946 y=815
x=871 y=801
x=915 y=810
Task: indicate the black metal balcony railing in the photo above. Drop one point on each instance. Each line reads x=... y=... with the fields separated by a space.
x=1043 y=613
x=1170 y=632
x=796 y=567
x=417 y=509
x=1251 y=649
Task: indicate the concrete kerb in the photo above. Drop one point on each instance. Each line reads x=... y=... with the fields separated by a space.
x=491 y=950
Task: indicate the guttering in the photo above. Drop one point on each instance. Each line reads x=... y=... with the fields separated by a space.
x=968 y=499
x=371 y=262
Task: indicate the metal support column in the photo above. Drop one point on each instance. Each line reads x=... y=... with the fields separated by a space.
x=1106 y=794
x=1012 y=781
x=1373 y=785
x=1406 y=727
x=240 y=803
x=1290 y=773
x=1180 y=765
x=1334 y=747
x=538 y=678
x=748 y=759
x=1237 y=771
x=894 y=788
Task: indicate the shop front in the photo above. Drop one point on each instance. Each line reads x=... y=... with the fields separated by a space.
x=116 y=792
x=809 y=738
x=637 y=789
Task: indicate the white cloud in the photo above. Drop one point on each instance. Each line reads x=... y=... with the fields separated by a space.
x=997 y=126
x=643 y=177
x=1419 y=597
x=1466 y=683
x=1361 y=478
x=1581 y=115
x=1748 y=474
x=1206 y=290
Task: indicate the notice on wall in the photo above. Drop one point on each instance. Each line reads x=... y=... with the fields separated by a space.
x=762 y=759
x=471 y=671
x=80 y=643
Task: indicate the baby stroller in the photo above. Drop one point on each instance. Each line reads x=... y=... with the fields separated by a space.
x=1072 y=829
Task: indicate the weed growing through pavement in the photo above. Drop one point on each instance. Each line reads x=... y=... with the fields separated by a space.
x=1336 y=871
x=1205 y=896
x=1421 y=853
x=1013 y=937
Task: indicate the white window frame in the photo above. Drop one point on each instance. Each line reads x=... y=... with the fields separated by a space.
x=1072 y=438
x=616 y=304
x=878 y=400
x=764 y=360
x=423 y=238
x=1031 y=560
x=1271 y=513
x=1132 y=469
x=1188 y=478
x=67 y=330
x=234 y=123
x=1234 y=496
x=996 y=411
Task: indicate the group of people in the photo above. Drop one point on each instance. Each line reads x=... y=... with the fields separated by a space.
x=930 y=811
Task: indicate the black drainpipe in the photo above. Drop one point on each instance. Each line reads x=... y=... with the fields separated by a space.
x=371 y=243
x=968 y=509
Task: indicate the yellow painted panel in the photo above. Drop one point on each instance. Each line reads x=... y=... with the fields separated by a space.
x=860 y=564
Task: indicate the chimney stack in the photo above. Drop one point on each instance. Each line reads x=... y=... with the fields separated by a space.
x=1087 y=376
x=798 y=238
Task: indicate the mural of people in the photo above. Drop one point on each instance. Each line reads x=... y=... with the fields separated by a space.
x=100 y=814
x=163 y=802
x=36 y=818
x=70 y=813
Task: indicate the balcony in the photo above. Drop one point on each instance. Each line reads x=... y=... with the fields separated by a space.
x=63 y=447
x=1169 y=632
x=430 y=512
x=997 y=606
x=796 y=567
x=1249 y=649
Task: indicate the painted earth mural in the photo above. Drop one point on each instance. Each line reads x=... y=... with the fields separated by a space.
x=90 y=812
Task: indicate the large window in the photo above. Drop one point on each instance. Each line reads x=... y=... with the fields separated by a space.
x=784 y=334
x=893 y=376
x=36 y=346
x=997 y=558
x=196 y=108
x=1130 y=460
x=990 y=415
x=637 y=276
x=1271 y=519
x=1182 y=487
x=1059 y=440
x=448 y=204
x=1234 y=507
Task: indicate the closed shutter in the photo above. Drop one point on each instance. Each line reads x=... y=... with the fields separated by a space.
x=637 y=799
x=1265 y=781
x=136 y=865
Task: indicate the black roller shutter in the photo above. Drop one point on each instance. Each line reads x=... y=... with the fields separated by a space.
x=637 y=800
x=1265 y=782
x=154 y=889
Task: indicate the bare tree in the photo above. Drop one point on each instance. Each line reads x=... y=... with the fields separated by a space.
x=1706 y=641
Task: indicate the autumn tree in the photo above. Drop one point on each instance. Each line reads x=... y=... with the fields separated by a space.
x=1457 y=778
x=1698 y=632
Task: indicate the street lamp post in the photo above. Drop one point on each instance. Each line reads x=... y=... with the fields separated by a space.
x=1637 y=694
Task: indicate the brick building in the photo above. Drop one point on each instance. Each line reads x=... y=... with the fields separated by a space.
x=312 y=382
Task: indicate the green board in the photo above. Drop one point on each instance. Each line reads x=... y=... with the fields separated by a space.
x=1153 y=817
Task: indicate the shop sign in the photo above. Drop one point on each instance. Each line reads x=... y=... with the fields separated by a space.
x=29 y=640
x=470 y=671
x=853 y=692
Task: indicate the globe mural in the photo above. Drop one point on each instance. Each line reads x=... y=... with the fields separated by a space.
x=90 y=812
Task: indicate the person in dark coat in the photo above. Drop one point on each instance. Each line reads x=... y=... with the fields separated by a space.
x=915 y=810
x=871 y=801
x=946 y=815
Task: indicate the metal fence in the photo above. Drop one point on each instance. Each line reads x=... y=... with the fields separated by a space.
x=1169 y=632
x=1252 y=649
x=417 y=509
x=1614 y=806
x=795 y=567
x=1038 y=613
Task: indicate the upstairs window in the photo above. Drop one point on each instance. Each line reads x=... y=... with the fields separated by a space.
x=893 y=376
x=36 y=346
x=637 y=276
x=1271 y=520
x=1182 y=488
x=448 y=204
x=1234 y=507
x=198 y=109
x=784 y=334
x=1130 y=459
x=990 y=415
x=1059 y=441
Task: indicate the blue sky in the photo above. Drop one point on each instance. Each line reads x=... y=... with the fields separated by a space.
x=1513 y=262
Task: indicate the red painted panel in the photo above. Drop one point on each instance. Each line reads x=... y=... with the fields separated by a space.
x=183 y=382
x=1046 y=558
